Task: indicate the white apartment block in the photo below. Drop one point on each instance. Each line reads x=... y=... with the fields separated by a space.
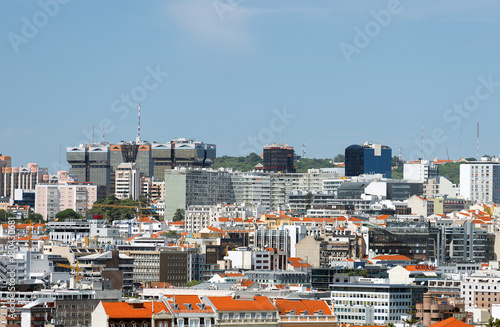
x=440 y=187
x=52 y=198
x=481 y=289
x=371 y=301
x=198 y=217
x=127 y=181
x=480 y=181
x=420 y=170
x=185 y=187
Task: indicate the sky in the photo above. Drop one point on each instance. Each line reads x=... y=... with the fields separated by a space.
x=244 y=73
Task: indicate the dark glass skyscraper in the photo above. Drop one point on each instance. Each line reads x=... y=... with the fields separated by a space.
x=278 y=158
x=368 y=159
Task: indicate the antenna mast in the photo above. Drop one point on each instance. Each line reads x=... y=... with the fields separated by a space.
x=422 y=158
x=477 y=150
x=139 y=124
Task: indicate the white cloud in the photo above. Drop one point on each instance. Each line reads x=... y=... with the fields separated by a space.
x=222 y=22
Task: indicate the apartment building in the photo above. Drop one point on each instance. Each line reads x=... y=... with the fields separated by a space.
x=481 y=289
x=480 y=181
x=24 y=178
x=52 y=198
x=127 y=181
x=245 y=311
x=313 y=313
x=421 y=171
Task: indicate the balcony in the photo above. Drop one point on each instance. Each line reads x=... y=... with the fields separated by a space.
x=307 y=319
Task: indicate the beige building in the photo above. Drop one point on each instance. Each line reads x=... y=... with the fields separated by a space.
x=52 y=198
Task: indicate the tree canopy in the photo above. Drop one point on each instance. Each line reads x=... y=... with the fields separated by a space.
x=113 y=208
x=67 y=214
x=179 y=215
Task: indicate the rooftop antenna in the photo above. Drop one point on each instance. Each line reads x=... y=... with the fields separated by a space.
x=139 y=125
x=477 y=150
x=102 y=134
x=461 y=144
x=434 y=152
x=93 y=133
x=422 y=158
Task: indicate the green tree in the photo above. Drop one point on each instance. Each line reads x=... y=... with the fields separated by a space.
x=113 y=208
x=493 y=322
x=173 y=234
x=33 y=218
x=309 y=200
x=3 y=215
x=192 y=283
x=412 y=320
x=179 y=215
x=67 y=214
x=339 y=158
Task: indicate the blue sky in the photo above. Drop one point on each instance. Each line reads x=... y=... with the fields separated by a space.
x=236 y=72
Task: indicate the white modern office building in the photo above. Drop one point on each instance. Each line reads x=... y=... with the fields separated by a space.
x=371 y=302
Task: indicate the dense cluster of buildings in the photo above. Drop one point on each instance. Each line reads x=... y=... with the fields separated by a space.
x=340 y=246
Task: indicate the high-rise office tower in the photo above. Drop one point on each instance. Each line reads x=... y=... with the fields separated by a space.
x=278 y=158
x=97 y=163
x=368 y=159
x=91 y=163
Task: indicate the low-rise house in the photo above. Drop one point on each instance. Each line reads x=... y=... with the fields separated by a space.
x=298 y=313
x=252 y=311
x=131 y=314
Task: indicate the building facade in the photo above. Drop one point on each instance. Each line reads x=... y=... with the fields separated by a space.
x=368 y=159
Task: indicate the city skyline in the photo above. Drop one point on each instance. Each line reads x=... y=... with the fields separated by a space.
x=243 y=74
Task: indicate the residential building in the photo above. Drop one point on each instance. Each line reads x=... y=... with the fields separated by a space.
x=190 y=310
x=422 y=170
x=117 y=267
x=481 y=289
x=436 y=308
x=421 y=206
x=134 y=314
x=440 y=187
x=127 y=181
x=368 y=159
x=313 y=313
x=20 y=178
x=53 y=198
x=480 y=181
x=245 y=311
x=461 y=242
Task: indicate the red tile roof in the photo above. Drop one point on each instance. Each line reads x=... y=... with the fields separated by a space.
x=300 y=306
x=450 y=322
x=193 y=300
x=383 y=217
x=227 y=303
x=392 y=257
x=126 y=310
x=298 y=263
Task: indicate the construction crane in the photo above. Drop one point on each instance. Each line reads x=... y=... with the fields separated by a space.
x=76 y=268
